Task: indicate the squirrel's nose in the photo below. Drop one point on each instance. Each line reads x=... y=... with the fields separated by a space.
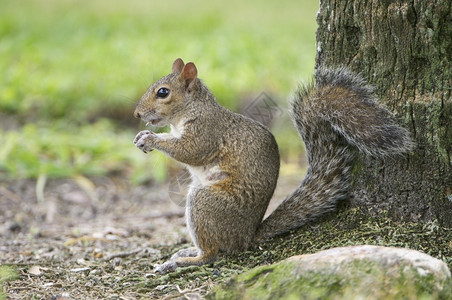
x=136 y=114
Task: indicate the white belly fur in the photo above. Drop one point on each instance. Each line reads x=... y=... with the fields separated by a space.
x=206 y=175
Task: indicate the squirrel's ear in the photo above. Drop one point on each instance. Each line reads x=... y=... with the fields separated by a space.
x=178 y=65
x=189 y=75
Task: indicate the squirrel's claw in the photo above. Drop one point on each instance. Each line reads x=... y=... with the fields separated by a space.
x=140 y=135
x=143 y=140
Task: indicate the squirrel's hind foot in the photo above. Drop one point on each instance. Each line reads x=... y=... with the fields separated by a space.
x=187 y=252
x=184 y=258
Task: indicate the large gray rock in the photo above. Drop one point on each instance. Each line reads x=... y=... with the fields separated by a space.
x=358 y=272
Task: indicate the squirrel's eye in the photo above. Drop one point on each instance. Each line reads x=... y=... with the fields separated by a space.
x=163 y=92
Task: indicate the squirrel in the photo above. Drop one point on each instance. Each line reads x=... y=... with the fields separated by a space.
x=234 y=160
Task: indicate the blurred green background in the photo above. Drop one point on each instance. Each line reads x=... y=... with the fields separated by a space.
x=72 y=71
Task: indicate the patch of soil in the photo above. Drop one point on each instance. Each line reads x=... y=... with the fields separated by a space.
x=84 y=238
x=98 y=238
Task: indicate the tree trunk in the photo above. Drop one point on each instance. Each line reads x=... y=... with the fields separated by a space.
x=404 y=48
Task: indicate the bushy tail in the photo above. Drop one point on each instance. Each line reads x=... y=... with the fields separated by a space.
x=334 y=116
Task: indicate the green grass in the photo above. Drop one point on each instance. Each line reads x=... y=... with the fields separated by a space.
x=97 y=149
x=7 y=273
x=68 y=64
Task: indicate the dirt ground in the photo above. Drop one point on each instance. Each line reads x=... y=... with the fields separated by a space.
x=98 y=238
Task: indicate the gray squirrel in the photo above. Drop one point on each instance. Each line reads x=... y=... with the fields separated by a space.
x=234 y=161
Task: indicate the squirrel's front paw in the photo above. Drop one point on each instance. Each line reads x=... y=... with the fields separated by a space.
x=144 y=140
x=167 y=267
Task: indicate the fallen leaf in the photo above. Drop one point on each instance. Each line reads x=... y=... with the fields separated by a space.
x=97 y=253
x=76 y=270
x=35 y=270
x=49 y=284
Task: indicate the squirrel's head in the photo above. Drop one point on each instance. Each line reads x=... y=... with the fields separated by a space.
x=165 y=100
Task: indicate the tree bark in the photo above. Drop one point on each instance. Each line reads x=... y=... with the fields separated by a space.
x=403 y=48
